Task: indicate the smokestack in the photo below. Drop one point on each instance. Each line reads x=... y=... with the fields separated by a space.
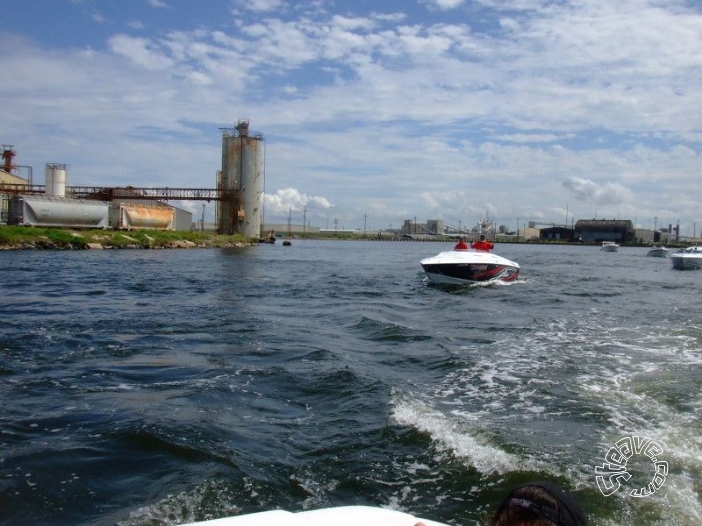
x=8 y=152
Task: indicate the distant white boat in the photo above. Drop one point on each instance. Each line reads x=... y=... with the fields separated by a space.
x=687 y=259
x=609 y=246
x=658 y=251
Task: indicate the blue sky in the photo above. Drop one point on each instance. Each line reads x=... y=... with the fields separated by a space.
x=373 y=111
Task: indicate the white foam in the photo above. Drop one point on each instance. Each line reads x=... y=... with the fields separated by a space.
x=636 y=390
x=464 y=441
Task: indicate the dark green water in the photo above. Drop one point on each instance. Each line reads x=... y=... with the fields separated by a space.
x=161 y=387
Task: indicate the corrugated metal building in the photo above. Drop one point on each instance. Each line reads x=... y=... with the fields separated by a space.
x=598 y=230
x=183 y=219
x=557 y=233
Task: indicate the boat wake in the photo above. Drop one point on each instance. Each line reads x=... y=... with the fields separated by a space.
x=465 y=439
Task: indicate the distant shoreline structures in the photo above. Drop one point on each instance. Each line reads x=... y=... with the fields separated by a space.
x=35 y=238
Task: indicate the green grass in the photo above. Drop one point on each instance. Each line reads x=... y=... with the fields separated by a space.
x=61 y=238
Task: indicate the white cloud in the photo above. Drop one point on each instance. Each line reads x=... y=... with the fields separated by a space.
x=141 y=51
x=529 y=137
x=287 y=199
x=601 y=194
x=443 y=5
x=99 y=18
x=259 y=6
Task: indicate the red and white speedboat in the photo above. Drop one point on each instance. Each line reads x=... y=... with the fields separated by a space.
x=459 y=267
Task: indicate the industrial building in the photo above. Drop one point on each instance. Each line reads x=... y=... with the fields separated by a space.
x=9 y=178
x=596 y=230
x=437 y=227
x=599 y=230
x=649 y=237
x=557 y=233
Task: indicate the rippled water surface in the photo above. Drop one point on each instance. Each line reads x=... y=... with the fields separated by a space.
x=160 y=387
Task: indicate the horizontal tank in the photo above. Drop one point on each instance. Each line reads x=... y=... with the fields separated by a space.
x=57 y=212
x=130 y=216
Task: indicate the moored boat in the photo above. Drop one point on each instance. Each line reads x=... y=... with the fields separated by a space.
x=658 y=251
x=458 y=267
x=689 y=258
x=609 y=246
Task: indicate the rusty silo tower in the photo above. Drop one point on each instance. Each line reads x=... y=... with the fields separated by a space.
x=241 y=181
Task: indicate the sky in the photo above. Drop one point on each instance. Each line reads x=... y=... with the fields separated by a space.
x=373 y=111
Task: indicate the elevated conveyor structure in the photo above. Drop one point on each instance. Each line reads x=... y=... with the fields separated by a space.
x=103 y=193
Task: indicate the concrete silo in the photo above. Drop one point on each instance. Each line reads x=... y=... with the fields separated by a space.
x=241 y=181
x=55 y=180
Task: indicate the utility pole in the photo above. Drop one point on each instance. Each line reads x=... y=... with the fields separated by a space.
x=304 y=218
x=365 y=216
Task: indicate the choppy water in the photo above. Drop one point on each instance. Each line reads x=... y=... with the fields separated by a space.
x=160 y=387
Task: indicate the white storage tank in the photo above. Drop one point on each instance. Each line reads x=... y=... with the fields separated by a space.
x=55 y=180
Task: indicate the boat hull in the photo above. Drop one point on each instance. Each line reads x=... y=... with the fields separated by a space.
x=658 y=253
x=609 y=246
x=688 y=259
x=341 y=516
x=465 y=267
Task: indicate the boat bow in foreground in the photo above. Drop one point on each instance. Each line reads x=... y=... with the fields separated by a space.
x=341 y=516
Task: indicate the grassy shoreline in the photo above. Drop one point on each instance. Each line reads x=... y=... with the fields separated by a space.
x=36 y=238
